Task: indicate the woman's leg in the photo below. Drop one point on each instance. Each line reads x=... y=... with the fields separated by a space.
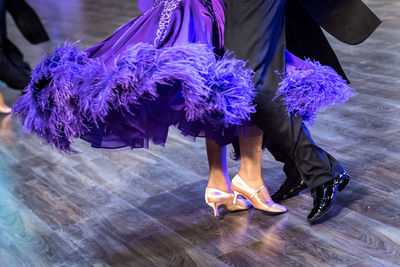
x=251 y=153
x=219 y=178
x=250 y=156
x=248 y=182
x=218 y=190
x=250 y=167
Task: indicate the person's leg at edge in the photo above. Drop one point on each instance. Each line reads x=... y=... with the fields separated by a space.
x=218 y=191
x=217 y=164
x=250 y=159
x=250 y=165
x=249 y=182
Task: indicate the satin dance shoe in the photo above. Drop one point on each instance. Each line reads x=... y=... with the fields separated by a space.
x=216 y=198
x=4 y=109
x=255 y=196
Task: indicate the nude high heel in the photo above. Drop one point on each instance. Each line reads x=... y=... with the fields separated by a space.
x=4 y=109
x=215 y=198
x=240 y=187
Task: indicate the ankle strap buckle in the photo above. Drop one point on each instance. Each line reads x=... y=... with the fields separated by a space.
x=257 y=191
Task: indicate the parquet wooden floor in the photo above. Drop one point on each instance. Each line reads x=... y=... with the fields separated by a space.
x=146 y=207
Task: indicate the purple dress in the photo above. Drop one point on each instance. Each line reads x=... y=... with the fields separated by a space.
x=165 y=67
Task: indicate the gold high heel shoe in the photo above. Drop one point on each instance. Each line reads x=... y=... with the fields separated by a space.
x=240 y=187
x=4 y=109
x=215 y=198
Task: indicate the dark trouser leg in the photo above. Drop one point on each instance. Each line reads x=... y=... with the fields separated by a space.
x=255 y=32
x=27 y=21
x=305 y=38
x=13 y=71
x=289 y=167
x=293 y=138
x=3 y=30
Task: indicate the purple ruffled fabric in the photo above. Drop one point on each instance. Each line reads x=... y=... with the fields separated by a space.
x=72 y=95
x=53 y=113
x=310 y=87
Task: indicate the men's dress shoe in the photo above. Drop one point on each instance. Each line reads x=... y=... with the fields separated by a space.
x=324 y=196
x=27 y=21
x=289 y=188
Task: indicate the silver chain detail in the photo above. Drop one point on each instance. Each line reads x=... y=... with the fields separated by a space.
x=166 y=14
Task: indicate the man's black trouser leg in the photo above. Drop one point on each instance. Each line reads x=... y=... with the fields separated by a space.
x=254 y=31
x=289 y=167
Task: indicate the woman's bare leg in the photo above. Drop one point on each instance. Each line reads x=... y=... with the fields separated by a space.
x=251 y=153
x=250 y=156
x=219 y=177
x=250 y=167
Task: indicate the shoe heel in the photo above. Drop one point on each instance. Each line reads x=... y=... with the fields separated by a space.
x=215 y=208
x=235 y=196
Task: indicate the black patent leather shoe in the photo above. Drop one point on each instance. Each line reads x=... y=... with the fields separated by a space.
x=288 y=189
x=324 y=196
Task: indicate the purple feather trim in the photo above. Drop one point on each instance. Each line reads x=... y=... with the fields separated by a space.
x=232 y=91
x=310 y=87
x=209 y=86
x=216 y=91
x=53 y=114
x=70 y=92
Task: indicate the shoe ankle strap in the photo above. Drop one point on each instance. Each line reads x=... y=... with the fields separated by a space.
x=256 y=191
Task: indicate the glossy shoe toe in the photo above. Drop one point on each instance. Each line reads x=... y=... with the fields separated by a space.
x=258 y=197
x=288 y=189
x=324 y=196
x=276 y=208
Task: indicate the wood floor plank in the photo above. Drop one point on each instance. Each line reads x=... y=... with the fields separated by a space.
x=258 y=255
x=100 y=246
x=48 y=204
x=211 y=234
x=28 y=241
